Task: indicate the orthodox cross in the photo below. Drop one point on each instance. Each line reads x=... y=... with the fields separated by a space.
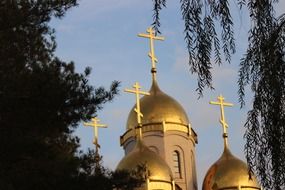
x=137 y=92
x=151 y=35
x=95 y=124
x=222 y=104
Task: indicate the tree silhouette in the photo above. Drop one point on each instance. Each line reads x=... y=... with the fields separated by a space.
x=42 y=100
x=262 y=67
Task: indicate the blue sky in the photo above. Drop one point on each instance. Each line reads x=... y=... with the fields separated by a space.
x=102 y=34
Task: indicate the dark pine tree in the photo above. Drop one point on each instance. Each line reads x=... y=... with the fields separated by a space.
x=42 y=100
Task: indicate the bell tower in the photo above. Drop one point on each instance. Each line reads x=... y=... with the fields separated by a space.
x=165 y=128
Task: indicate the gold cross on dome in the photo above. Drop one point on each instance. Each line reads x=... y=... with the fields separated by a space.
x=151 y=35
x=222 y=104
x=95 y=124
x=137 y=91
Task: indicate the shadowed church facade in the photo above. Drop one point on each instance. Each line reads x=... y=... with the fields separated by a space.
x=159 y=136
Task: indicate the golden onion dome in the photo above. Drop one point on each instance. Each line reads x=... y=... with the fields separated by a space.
x=229 y=172
x=158 y=107
x=141 y=155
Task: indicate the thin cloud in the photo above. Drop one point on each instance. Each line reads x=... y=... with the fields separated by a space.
x=181 y=61
x=222 y=73
x=97 y=8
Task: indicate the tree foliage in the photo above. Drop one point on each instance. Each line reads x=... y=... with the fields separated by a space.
x=42 y=100
x=200 y=20
x=93 y=176
x=262 y=67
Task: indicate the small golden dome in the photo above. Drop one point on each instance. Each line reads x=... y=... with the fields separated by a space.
x=229 y=172
x=157 y=168
x=158 y=107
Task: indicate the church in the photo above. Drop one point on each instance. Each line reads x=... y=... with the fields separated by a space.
x=160 y=138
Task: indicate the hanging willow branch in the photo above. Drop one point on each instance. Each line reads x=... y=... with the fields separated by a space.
x=157 y=6
x=201 y=37
x=262 y=67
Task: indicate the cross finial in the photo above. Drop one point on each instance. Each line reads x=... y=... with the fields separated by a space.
x=222 y=104
x=95 y=124
x=151 y=35
x=137 y=92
